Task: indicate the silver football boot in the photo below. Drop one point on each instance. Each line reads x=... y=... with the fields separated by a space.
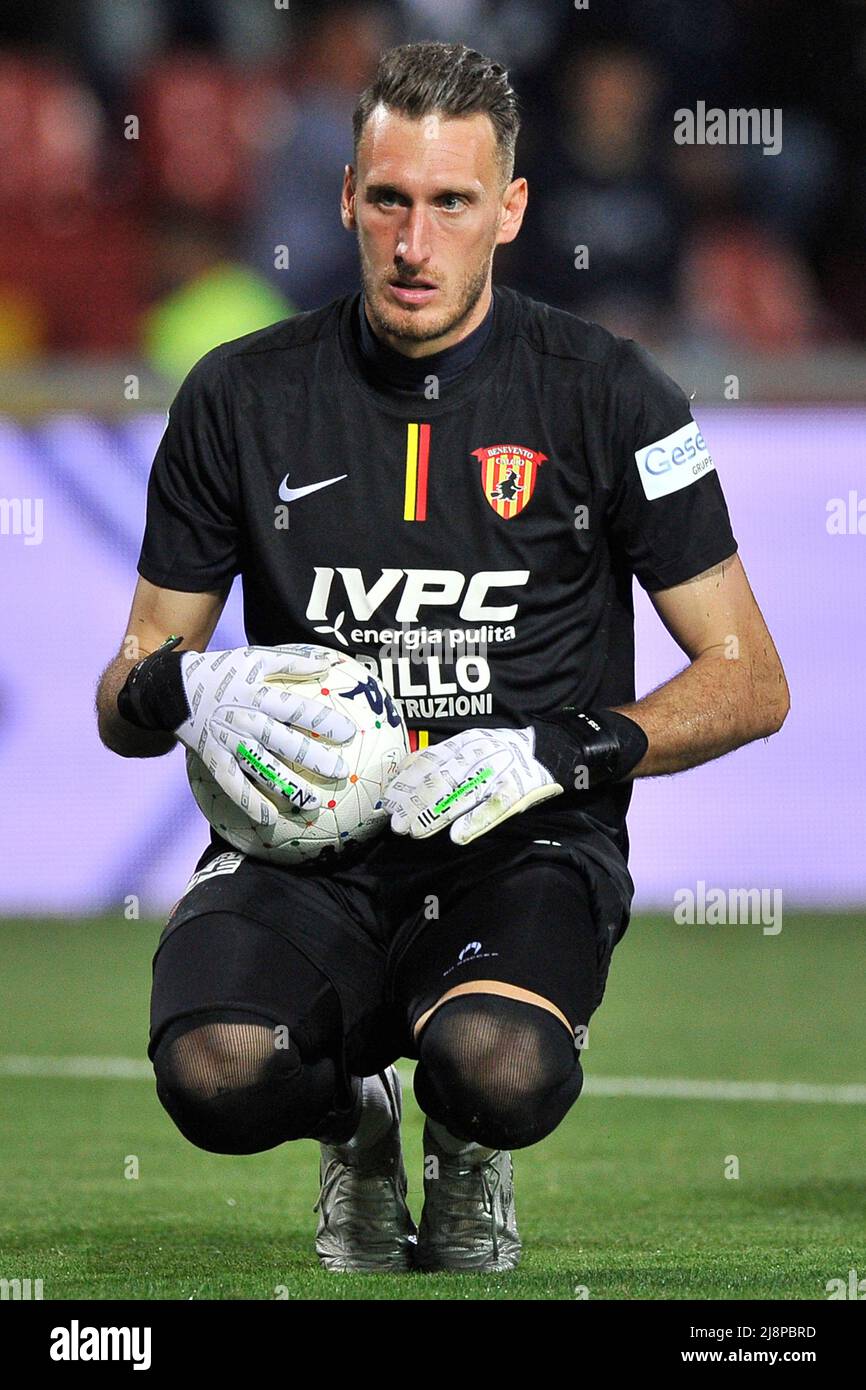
x=469 y=1221
x=364 y=1223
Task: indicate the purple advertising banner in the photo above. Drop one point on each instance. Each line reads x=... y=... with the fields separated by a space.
x=82 y=829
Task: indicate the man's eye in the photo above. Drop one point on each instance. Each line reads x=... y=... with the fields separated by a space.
x=453 y=200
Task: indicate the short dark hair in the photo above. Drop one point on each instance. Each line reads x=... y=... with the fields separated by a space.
x=448 y=79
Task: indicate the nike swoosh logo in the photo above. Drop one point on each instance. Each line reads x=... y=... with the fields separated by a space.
x=291 y=494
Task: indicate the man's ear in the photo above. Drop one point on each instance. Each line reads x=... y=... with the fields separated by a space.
x=514 y=201
x=347 y=199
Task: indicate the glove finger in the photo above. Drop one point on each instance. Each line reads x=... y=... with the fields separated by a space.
x=504 y=802
x=226 y=772
x=317 y=718
x=437 y=787
x=290 y=745
x=297 y=659
x=422 y=786
x=446 y=798
x=414 y=768
x=445 y=760
x=282 y=784
x=485 y=771
x=407 y=762
x=253 y=664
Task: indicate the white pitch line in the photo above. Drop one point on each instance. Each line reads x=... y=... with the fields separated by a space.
x=643 y=1087
x=682 y=1088
x=78 y=1068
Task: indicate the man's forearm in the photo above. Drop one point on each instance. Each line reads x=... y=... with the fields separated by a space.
x=712 y=707
x=116 y=732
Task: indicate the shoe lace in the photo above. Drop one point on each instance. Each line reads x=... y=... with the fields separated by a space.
x=456 y=1195
x=364 y=1194
x=330 y=1178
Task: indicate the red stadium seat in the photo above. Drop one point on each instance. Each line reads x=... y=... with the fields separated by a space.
x=65 y=248
x=84 y=272
x=51 y=131
x=202 y=122
x=741 y=285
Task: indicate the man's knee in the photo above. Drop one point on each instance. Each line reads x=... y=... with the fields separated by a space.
x=236 y=1084
x=497 y=1070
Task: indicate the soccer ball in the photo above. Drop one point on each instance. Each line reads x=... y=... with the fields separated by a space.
x=351 y=809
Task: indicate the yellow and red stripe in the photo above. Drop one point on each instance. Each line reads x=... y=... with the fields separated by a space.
x=418 y=738
x=417 y=461
x=496 y=468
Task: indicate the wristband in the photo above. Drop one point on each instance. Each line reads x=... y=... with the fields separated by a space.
x=153 y=695
x=606 y=743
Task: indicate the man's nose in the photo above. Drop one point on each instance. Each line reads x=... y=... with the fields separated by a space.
x=413 y=245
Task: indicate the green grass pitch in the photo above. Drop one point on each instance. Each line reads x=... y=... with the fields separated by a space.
x=628 y=1199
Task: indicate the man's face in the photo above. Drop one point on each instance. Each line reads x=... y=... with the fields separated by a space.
x=428 y=204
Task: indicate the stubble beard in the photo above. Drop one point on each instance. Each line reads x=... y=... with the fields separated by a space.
x=410 y=326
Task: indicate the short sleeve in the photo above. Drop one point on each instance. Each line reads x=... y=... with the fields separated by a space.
x=667 y=517
x=191 y=531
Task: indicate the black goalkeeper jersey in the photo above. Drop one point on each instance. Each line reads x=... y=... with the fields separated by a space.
x=473 y=545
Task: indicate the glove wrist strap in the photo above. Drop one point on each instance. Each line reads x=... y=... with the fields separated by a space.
x=153 y=695
x=607 y=744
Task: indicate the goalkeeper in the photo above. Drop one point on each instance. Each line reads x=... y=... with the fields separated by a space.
x=452 y=456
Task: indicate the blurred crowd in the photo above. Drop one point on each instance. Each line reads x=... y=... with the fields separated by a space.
x=170 y=169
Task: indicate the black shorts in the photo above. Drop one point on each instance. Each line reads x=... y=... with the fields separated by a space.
x=394 y=925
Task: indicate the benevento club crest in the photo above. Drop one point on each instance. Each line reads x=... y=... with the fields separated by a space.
x=508 y=473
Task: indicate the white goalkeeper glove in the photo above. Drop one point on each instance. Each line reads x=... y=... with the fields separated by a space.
x=218 y=705
x=472 y=781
